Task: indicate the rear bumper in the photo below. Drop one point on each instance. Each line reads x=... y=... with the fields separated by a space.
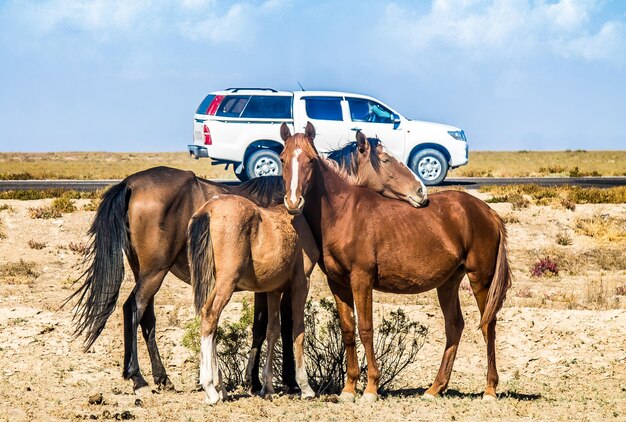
x=198 y=151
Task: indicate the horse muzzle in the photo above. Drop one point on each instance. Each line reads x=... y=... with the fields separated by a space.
x=419 y=200
x=294 y=209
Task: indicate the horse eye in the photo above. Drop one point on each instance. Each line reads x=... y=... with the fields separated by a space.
x=385 y=159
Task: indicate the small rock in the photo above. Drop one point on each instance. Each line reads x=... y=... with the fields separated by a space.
x=106 y=415
x=138 y=403
x=29 y=389
x=96 y=399
x=93 y=417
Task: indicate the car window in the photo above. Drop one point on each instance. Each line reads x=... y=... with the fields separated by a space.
x=204 y=105
x=268 y=106
x=324 y=108
x=232 y=105
x=362 y=110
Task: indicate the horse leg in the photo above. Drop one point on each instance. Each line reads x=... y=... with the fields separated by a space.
x=286 y=331
x=361 y=283
x=299 y=293
x=259 y=328
x=148 y=328
x=345 y=307
x=273 y=331
x=210 y=375
x=448 y=295
x=134 y=308
x=489 y=334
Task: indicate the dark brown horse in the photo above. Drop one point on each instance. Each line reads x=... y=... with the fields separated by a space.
x=370 y=242
x=145 y=217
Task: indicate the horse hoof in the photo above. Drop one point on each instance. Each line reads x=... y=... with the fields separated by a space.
x=489 y=397
x=167 y=385
x=346 y=397
x=369 y=398
x=428 y=396
x=307 y=394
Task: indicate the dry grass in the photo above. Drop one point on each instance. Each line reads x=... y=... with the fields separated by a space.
x=564 y=239
x=6 y=207
x=3 y=232
x=17 y=272
x=607 y=258
x=100 y=165
x=56 y=209
x=543 y=163
x=560 y=196
x=602 y=227
x=33 y=244
x=77 y=247
x=34 y=194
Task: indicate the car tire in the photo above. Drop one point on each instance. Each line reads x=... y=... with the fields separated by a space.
x=430 y=166
x=263 y=162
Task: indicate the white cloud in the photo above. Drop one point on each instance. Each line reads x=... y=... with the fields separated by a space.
x=197 y=20
x=508 y=28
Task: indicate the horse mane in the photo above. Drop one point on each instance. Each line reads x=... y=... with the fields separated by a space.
x=263 y=191
x=343 y=161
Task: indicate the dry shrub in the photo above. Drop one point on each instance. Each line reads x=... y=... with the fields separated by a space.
x=552 y=169
x=524 y=292
x=77 y=247
x=510 y=219
x=602 y=227
x=575 y=172
x=397 y=341
x=564 y=239
x=469 y=172
x=596 y=294
x=92 y=205
x=3 y=232
x=33 y=244
x=15 y=272
x=518 y=201
x=55 y=210
x=6 y=207
x=233 y=340
x=620 y=291
x=545 y=267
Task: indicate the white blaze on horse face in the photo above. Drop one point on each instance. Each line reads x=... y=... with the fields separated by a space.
x=294 y=175
x=416 y=178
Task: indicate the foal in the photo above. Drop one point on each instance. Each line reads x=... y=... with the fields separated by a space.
x=233 y=244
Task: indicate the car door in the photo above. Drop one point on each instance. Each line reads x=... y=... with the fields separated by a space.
x=326 y=114
x=377 y=121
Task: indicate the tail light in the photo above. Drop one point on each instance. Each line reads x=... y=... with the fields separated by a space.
x=212 y=109
x=207 y=136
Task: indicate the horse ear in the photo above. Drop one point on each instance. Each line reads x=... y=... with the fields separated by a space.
x=284 y=131
x=309 y=131
x=362 y=142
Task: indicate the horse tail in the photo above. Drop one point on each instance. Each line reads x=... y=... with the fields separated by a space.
x=98 y=294
x=501 y=281
x=201 y=260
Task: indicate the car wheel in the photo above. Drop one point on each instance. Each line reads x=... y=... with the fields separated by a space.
x=264 y=162
x=430 y=165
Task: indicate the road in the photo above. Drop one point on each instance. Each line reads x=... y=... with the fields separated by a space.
x=466 y=182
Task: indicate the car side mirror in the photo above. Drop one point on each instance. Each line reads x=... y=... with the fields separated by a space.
x=395 y=118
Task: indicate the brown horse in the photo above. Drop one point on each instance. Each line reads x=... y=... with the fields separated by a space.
x=370 y=242
x=233 y=244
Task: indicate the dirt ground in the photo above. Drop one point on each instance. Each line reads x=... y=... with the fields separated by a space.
x=561 y=342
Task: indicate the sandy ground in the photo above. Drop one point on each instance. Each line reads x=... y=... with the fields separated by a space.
x=555 y=363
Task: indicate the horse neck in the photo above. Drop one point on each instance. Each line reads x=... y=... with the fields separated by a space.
x=324 y=199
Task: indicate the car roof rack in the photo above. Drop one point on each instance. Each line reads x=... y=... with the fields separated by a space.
x=251 y=89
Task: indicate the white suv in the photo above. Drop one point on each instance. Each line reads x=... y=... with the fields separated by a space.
x=240 y=126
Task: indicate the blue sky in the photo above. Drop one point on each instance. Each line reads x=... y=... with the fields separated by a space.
x=122 y=75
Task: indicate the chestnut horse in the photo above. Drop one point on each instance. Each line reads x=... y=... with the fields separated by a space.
x=233 y=244
x=369 y=242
